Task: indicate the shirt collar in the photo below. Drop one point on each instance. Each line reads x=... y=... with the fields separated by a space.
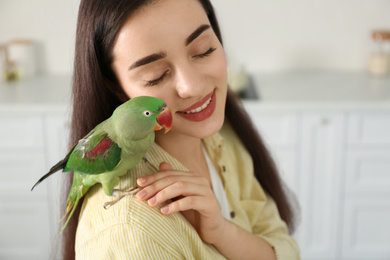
x=156 y=154
x=214 y=145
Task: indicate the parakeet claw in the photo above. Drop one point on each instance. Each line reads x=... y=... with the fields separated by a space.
x=119 y=194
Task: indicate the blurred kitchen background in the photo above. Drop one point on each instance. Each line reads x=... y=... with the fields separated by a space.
x=261 y=35
x=314 y=75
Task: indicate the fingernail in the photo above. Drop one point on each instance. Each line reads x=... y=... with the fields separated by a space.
x=141 y=180
x=165 y=209
x=141 y=194
x=152 y=201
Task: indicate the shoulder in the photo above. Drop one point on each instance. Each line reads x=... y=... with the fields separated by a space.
x=133 y=228
x=129 y=225
x=129 y=211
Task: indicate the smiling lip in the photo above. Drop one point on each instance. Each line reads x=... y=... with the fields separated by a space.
x=200 y=110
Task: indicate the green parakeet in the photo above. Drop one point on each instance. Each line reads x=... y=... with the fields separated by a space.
x=112 y=148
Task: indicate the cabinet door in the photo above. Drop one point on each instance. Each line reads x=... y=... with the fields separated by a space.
x=20 y=131
x=368 y=129
x=366 y=228
x=280 y=134
x=56 y=146
x=368 y=172
x=320 y=185
x=23 y=214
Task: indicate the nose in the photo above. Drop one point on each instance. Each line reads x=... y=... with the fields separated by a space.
x=190 y=81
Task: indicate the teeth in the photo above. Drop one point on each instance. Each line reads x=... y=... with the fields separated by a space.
x=196 y=110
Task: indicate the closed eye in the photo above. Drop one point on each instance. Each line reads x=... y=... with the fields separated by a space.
x=154 y=82
x=207 y=53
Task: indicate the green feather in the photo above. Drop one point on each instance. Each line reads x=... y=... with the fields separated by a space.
x=89 y=159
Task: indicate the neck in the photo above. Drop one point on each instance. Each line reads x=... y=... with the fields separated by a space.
x=188 y=150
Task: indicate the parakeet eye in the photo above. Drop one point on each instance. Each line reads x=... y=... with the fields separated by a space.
x=147 y=113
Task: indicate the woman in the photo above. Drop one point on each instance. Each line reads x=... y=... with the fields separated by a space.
x=200 y=197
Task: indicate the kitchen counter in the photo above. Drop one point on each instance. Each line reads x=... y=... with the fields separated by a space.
x=42 y=93
x=319 y=90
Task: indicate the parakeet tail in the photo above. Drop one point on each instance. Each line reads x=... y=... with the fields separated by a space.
x=70 y=208
x=77 y=191
x=59 y=166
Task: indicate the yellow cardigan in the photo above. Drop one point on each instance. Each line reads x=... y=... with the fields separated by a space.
x=133 y=230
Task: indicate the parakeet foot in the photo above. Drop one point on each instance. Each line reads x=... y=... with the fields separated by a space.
x=119 y=194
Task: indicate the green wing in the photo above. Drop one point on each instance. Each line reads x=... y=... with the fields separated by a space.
x=96 y=153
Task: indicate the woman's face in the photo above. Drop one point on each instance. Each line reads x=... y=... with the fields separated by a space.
x=169 y=50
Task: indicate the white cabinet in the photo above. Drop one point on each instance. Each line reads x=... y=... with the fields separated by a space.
x=56 y=146
x=321 y=160
x=338 y=164
x=280 y=133
x=26 y=217
x=366 y=230
x=369 y=128
x=23 y=214
x=368 y=171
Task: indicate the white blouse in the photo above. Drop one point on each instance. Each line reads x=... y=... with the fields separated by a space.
x=218 y=188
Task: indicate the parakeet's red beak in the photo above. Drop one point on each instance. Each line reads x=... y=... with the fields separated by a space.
x=164 y=120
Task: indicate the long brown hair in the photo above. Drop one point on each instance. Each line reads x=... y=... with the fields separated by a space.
x=96 y=94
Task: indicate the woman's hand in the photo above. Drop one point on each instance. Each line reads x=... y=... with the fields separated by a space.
x=191 y=194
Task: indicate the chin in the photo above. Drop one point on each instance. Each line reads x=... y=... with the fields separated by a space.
x=209 y=128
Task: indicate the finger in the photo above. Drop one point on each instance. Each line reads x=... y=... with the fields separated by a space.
x=179 y=189
x=164 y=166
x=198 y=203
x=174 y=184
x=164 y=170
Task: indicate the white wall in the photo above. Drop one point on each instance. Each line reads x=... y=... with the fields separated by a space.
x=51 y=23
x=298 y=34
x=263 y=35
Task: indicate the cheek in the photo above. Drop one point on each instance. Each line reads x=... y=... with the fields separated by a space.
x=128 y=85
x=133 y=91
x=220 y=67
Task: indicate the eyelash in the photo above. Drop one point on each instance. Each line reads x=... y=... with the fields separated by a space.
x=207 y=53
x=156 y=81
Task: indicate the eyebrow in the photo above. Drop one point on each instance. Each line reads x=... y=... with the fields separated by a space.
x=147 y=59
x=196 y=33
